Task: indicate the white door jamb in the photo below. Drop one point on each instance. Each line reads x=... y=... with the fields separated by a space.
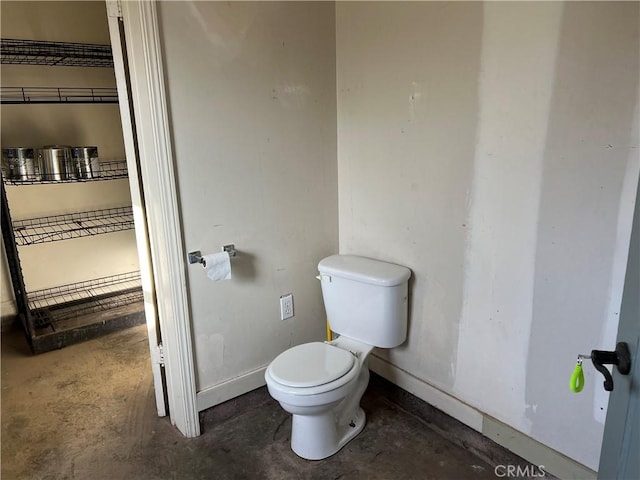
x=114 y=15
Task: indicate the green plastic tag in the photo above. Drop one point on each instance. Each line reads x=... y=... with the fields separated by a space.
x=576 y=384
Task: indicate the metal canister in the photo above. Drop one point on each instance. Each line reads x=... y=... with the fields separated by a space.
x=86 y=161
x=6 y=170
x=56 y=163
x=18 y=164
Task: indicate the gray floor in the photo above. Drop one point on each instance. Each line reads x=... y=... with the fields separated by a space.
x=87 y=412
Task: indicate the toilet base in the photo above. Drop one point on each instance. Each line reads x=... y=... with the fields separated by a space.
x=315 y=437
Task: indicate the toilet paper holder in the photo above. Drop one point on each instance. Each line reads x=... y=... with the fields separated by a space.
x=196 y=256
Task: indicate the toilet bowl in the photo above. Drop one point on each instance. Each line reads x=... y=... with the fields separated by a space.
x=321 y=385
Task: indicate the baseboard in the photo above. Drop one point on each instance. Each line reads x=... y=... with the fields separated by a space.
x=513 y=440
x=229 y=389
x=442 y=401
x=535 y=452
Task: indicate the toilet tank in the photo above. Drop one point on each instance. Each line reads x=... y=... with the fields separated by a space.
x=365 y=299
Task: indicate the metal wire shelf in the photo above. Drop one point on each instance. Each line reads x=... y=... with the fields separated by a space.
x=36 y=52
x=40 y=95
x=72 y=293
x=52 y=316
x=72 y=225
x=109 y=170
x=52 y=306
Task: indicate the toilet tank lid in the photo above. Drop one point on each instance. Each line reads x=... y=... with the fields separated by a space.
x=366 y=270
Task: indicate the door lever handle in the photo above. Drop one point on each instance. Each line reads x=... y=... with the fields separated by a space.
x=621 y=358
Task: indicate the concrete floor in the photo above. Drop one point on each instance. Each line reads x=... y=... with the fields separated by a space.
x=88 y=412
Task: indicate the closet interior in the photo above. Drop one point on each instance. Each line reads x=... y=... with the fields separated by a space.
x=67 y=220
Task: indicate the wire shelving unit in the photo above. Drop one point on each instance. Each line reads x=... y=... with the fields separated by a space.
x=62 y=315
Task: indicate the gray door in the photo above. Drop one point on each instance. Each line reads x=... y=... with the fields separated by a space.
x=619 y=458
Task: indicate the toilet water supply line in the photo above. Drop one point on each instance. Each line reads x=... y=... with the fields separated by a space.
x=328 y=331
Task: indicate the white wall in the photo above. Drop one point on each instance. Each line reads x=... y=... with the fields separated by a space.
x=492 y=148
x=251 y=91
x=56 y=263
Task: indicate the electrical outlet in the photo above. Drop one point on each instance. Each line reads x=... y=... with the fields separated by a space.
x=286 y=306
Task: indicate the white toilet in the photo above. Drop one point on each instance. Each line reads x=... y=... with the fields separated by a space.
x=321 y=384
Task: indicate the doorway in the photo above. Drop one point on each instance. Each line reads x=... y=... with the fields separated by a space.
x=75 y=239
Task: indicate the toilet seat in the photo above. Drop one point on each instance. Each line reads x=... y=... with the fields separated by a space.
x=311 y=365
x=312 y=368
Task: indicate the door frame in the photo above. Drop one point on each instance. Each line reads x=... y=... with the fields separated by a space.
x=157 y=175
